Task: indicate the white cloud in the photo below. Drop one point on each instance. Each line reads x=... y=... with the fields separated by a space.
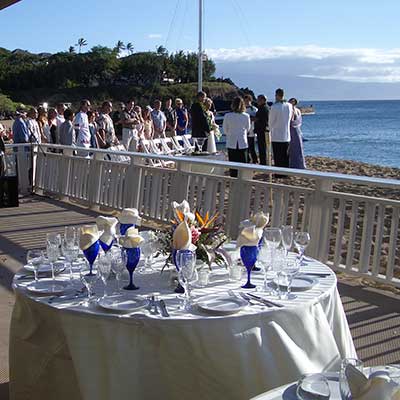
x=355 y=64
x=154 y=36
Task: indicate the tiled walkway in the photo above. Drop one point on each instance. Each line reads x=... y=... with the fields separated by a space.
x=373 y=315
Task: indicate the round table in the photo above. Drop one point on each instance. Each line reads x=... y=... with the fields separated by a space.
x=57 y=346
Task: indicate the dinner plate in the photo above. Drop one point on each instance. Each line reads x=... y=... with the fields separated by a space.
x=48 y=286
x=300 y=282
x=221 y=304
x=123 y=302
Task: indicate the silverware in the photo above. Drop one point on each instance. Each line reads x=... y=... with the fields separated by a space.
x=153 y=305
x=265 y=301
x=163 y=308
x=317 y=274
x=246 y=297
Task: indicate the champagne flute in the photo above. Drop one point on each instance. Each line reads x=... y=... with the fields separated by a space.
x=131 y=257
x=249 y=255
x=117 y=265
x=264 y=258
x=71 y=235
x=89 y=278
x=35 y=259
x=301 y=241
x=71 y=252
x=104 y=268
x=287 y=237
x=53 y=242
x=187 y=265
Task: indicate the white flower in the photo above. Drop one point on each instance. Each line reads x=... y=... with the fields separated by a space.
x=89 y=234
x=130 y=216
x=131 y=239
x=184 y=208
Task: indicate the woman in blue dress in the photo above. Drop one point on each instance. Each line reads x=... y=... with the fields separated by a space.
x=296 y=153
x=181 y=117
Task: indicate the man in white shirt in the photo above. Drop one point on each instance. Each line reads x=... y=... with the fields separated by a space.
x=159 y=120
x=105 y=123
x=279 y=124
x=60 y=114
x=81 y=125
x=33 y=126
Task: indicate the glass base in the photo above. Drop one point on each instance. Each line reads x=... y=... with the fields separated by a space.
x=90 y=274
x=179 y=289
x=256 y=269
x=248 y=285
x=131 y=286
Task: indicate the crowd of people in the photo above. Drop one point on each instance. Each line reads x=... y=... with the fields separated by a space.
x=246 y=126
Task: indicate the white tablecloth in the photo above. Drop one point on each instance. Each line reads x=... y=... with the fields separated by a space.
x=75 y=353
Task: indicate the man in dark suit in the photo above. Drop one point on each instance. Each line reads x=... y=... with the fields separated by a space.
x=200 y=125
x=261 y=126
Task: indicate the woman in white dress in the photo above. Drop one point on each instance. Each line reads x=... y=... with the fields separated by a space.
x=236 y=127
x=211 y=146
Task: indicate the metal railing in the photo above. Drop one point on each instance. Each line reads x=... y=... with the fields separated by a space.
x=352 y=232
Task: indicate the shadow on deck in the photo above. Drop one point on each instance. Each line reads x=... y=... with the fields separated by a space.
x=373 y=315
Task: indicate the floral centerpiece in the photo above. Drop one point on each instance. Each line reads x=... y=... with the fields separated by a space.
x=206 y=235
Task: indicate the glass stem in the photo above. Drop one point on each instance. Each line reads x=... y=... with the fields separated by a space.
x=248 y=276
x=118 y=279
x=35 y=271
x=70 y=271
x=130 y=278
x=279 y=293
x=53 y=276
x=289 y=286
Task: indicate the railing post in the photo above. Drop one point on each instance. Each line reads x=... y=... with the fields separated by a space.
x=238 y=203
x=319 y=211
x=95 y=177
x=133 y=182
x=180 y=182
x=24 y=168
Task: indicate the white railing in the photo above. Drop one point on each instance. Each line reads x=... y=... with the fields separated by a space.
x=351 y=232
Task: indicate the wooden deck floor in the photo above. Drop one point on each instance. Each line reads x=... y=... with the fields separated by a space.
x=373 y=315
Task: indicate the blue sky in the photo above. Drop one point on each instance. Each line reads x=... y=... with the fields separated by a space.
x=349 y=41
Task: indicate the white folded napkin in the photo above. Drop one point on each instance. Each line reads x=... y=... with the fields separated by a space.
x=249 y=236
x=131 y=239
x=108 y=226
x=260 y=220
x=378 y=386
x=183 y=208
x=130 y=216
x=182 y=237
x=89 y=234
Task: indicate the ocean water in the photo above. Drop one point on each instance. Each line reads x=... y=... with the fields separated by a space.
x=367 y=131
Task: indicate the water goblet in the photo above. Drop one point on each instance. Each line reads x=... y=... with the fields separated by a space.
x=104 y=268
x=71 y=235
x=70 y=251
x=273 y=237
x=290 y=269
x=186 y=273
x=344 y=388
x=131 y=257
x=117 y=265
x=35 y=259
x=313 y=387
x=92 y=251
x=249 y=254
x=301 y=241
x=147 y=249
x=287 y=237
x=89 y=278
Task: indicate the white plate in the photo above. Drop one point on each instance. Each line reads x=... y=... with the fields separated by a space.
x=300 y=282
x=123 y=302
x=46 y=269
x=48 y=286
x=221 y=304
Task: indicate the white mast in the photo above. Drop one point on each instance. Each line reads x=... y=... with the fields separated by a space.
x=200 y=55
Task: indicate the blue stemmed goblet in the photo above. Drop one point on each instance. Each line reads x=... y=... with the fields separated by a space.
x=179 y=288
x=124 y=227
x=91 y=254
x=132 y=257
x=106 y=247
x=249 y=255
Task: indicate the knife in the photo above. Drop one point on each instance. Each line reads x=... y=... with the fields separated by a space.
x=318 y=274
x=163 y=308
x=265 y=301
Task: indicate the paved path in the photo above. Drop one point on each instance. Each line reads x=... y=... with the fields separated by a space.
x=373 y=315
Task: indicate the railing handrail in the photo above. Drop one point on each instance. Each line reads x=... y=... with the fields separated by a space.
x=327 y=176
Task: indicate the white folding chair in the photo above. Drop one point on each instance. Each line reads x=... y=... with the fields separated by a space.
x=186 y=142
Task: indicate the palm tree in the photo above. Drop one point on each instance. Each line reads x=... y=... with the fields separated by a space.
x=119 y=46
x=81 y=43
x=161 y=50
x=130 y=47
x=71 y=49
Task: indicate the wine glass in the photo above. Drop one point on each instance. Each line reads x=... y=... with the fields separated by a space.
x=53 y=242
x=70 y=251
x=200 y=143
x=249 y=255
x=264 y=258
x=71 y=235
x=313 y=387
x=104 y=269
x=290 y=269
x=187 y=263
x=273 y=237
x=147 y=249
x=34 y=259
x=131 y=257
x=345 y=392
x=117 y=265
x=287 y=237
x=89 y=278
x=301 y=241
